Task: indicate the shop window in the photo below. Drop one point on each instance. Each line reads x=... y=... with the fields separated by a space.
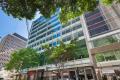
x=117 y=54
x=110 y=56
x=104 y=41
x=100 y=57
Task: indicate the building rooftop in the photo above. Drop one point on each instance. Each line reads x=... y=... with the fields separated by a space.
x=19 y=36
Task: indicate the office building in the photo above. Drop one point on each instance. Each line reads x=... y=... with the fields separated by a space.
x=8 y=44
x=40 y=34
x=44 y=31
x=99 y=31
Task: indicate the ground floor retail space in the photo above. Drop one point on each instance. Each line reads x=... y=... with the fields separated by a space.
x=108 y=73
x=78 y=73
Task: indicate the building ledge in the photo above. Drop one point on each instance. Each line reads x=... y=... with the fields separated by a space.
x=69 y=64
x=111 y=47
x=112 y=63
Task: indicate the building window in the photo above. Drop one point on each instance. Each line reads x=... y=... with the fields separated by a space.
x=50 y=44
x=106 y=40
x=58 y=35
x=68 y=38
x=99 y=30
x=76 y=27
x=66 y=31
x=96 y=23
x=107 y=56
x=54 y=43
x=78 y=34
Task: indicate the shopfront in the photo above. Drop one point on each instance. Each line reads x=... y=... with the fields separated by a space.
x=78 y=73
x=110 y=70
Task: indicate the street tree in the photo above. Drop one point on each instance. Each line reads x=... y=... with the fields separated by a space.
x=22 y=59
x=73 y=50
x=69 y=8
x=47 y=52
x=63 y=53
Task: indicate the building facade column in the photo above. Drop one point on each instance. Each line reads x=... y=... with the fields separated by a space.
x=76 y=73
x=85 y=74
x=89 y=44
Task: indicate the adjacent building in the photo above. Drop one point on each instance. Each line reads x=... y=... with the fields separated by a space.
x=8 y=44
x=102 y=29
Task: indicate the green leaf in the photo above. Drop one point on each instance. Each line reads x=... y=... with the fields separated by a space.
x=24 y=58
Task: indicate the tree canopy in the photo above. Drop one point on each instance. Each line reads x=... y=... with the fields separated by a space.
x=27 y=57
x=46 y=54
x=22 y=59
x=69 y=8
x=76 y=49
x=64 y=52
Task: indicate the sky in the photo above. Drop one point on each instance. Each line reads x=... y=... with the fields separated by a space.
x=9 y=25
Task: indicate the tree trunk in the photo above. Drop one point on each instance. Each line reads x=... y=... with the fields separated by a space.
x=42 y=75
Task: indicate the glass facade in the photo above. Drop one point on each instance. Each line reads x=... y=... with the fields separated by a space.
x=43 y=30
x=106 y=40
x=96 y=23
x=108 y=56
x=103 y=20
x=50 y=31
x=81 y=49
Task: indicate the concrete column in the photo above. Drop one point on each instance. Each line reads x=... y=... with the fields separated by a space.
x=93 y=73
x=88 y=42
x=99 y=75
x=61 y=73
x=50 y=76
x=76 y=74
x=16 y=77
x=68 y=74
x=85 y=74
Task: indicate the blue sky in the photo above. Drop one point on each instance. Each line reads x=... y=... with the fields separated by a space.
x=9 y=25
